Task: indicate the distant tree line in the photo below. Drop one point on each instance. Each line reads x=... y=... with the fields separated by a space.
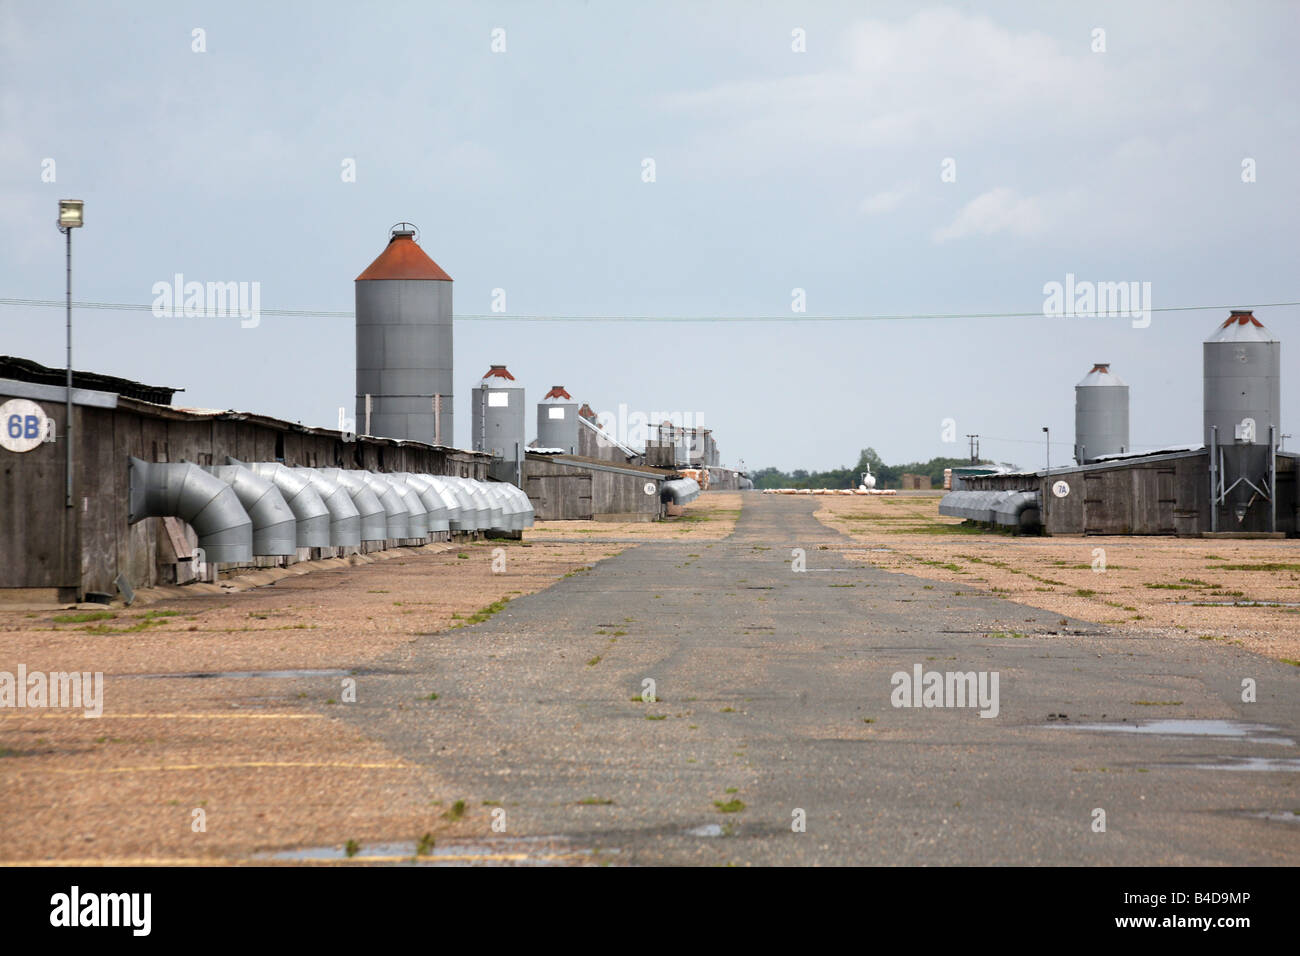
x=887 y=476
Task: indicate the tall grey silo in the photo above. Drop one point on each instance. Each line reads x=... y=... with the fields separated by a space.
x=498 y=422
x=404 y=344
x=557 y=421
x=1100 y=415
x=1243 y=421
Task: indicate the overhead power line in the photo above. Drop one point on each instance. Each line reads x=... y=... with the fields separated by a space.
x=511 y=317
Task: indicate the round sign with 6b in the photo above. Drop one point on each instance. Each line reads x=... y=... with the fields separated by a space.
x=23 y=425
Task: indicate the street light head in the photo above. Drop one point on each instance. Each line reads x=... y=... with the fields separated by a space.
x=70 y=213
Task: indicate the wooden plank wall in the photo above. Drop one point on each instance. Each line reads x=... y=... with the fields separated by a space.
x=41 y=547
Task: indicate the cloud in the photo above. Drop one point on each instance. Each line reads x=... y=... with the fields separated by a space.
x=884 y=202
x=938 y=76
x=998 y=210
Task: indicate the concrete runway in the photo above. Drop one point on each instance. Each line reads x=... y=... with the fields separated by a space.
x=775 y=690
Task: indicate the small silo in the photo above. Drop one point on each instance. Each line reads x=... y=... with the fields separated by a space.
x=557 y=421
x=1243 y=421
x=1100 y=415
x=404 y=344
x=498 y=421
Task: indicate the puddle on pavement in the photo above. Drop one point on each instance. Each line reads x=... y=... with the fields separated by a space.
x=1230 y=729
x=708 y=830
x=1239 y=603
x=522 y=851
x=1262 y=764
x=1277 y=816
x=281 y=675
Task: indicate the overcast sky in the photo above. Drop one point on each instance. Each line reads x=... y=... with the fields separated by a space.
x=775 y=170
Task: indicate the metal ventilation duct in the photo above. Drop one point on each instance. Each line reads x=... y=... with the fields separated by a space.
x=462 y=511
x=309 y=510
x=345 y=519
x=434 y=505
x=496 y=509
x=526 y=511
x=398 y=523
x=275 y=529
x=455 y=505
x=679 y=491
x=471 y=518
x=482 y=504
x=374 y=516
x=512 y=515
x=417 y=516
x=1010 y=509
x=204 y=502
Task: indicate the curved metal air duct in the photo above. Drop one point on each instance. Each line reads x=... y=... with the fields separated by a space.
x=679 y=491
x=1019 y=510
x=417 y=516
x=1009 y=509
x=486 y=515
x=275 y=529
x=521 y=509
x=500 y=507
x=467 y=520
x=374 y=516
x=481 y=516
x=501 y=510
x=451 y=501
x=206 y=503
x=345 y=519
x=399 y=525
x=313 y=518
x=431 y=498
x=525 y=505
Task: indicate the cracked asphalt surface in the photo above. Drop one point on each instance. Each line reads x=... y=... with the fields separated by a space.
x=774 y=692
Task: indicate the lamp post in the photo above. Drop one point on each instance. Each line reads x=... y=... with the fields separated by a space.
x=70 y=217
x=1047 y=493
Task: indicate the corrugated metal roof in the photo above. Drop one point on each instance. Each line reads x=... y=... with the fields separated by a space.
x=1167 y=450
x=600 y=464
x=25 y=370
x=402 y=258
x=1110 y=461
x=205 y=414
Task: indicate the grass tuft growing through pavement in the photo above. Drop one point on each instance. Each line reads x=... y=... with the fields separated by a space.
x=482 y=614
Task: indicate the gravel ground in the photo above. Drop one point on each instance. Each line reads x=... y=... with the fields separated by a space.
x=1174 y=586
x=712 y=516
x=260 y=756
